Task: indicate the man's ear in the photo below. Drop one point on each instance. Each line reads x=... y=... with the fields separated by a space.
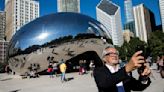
x=104 y=60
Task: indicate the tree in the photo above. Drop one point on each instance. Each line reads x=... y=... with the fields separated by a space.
x=156 y=45
x=128 y=49
x=123 y=51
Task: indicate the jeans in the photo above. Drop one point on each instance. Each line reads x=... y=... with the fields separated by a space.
x=63 y=76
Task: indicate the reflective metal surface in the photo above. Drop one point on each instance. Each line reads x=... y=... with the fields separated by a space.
x=68 y=36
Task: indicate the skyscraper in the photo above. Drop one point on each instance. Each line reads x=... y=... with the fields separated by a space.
x=6 y=1
x=19 y=13
x=130 y=26
x=68 y=5
x=142 y=16
x=3 y=43
x=3 y=50
x=109 y=15
x=2 y=25
x=161 y=6
x=129 y=16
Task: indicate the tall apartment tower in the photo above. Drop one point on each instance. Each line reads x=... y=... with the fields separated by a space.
x=3 y=43
x=161 y=6
x=68 y=6
x=2 y=25
x=109 y=15
x=142 y=22
x=19 y=13
x=3 y=50
x=129 y=16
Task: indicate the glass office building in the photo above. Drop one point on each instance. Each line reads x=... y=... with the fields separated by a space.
x=130 y=26
x=161 y=7
x=68 y=36
x=129 y=17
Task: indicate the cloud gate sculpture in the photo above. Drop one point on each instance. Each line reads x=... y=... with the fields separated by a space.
x=68 y=36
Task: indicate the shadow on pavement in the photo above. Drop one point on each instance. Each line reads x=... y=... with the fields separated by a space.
x=6 y=79
x=15 y=90
x=69 y=79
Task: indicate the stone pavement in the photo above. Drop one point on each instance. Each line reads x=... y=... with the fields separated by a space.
x=80 y=83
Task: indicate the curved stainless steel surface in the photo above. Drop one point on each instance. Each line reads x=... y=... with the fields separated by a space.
x=68 y=36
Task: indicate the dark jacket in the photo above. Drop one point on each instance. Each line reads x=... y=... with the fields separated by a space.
x=106 y=81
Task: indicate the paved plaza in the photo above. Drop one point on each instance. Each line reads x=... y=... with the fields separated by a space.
x=79 y=83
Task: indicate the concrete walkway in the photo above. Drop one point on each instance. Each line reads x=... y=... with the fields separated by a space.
x=80 y=83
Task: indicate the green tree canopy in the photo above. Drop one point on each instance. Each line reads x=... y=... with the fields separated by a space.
x=154 y=47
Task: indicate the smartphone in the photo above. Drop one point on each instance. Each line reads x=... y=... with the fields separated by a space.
x=141 y=48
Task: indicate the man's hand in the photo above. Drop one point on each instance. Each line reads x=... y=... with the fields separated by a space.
x=135 y=62
x=146 y=71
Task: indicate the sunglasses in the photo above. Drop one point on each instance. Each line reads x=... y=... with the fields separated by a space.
x=112 y=53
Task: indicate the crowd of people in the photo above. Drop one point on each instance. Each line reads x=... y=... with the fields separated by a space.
x=59 y=69
x=53 y=69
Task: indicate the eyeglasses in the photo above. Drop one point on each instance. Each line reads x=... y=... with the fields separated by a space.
x=112 y=53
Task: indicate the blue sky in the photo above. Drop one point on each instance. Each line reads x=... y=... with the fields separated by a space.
x=88 y=7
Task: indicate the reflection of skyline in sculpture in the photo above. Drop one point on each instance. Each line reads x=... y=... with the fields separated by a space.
x=61 y=35
x=54 y=21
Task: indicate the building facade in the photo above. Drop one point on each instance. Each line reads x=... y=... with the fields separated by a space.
x=130 y=26
x=127 y=34
x=19 y=13
x=2 y=25
x=109 y=15
x=3 y=50
x=68 y=6
x=129 y=16
x=161 y=6
x=142 y=22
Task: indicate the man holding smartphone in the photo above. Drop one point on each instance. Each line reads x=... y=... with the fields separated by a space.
x=112 y=78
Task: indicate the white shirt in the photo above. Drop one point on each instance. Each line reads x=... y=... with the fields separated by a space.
x=112 y=70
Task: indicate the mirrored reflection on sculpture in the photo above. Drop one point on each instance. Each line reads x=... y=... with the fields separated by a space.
x=68 y=36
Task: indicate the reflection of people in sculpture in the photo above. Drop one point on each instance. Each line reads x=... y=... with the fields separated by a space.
x=84 y=71
x=7 y=69
x=80 y=67
x=112 y=78
x=91 y=66
x=104 y=40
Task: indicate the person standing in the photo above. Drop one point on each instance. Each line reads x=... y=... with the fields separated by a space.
x=91 y=66
x=161 y=66
x=7 y=69
x=55 y=69
x=80 y=67
x=50 y=70
x=112 y=78
x=62 y=70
